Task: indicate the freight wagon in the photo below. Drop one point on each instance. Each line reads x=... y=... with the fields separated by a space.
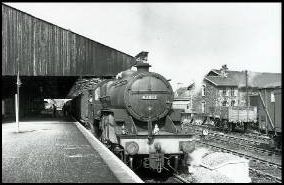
x=269 y=105
x=237 y=116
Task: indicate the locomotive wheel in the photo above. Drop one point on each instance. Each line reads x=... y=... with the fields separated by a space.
x=118 y=150
x=184 y=165
x=245 y=127
x=233 y=126
x=227 y=127
x=131 y=162
x=95 y=129
x=217 y=123
x=176 y=163
x=230 y=127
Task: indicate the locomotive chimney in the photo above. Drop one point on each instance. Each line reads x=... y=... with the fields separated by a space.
x=142 y=62
x=141 y=67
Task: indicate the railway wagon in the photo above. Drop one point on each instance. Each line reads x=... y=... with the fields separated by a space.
x=80 y=101
x=237 y=116
x=278 y=118
x=278 y=111
x=269 y=105
x=132 y=116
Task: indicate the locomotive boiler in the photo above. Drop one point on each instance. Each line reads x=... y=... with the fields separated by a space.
x=133 y=116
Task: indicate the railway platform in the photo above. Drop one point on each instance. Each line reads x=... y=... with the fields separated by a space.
x=58 y=151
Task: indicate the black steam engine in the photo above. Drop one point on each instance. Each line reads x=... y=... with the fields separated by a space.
x=133 y=116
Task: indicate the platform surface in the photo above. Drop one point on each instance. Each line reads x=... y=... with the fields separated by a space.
x=50 y=151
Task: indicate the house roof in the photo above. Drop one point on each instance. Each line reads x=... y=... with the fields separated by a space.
x=221 y=81
x=273 y=85
x=182 y=93
x=238 y=78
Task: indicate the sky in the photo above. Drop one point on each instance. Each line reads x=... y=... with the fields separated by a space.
x=184 y=40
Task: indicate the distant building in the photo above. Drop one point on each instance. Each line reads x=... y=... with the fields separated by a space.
x=183 y=99
x=229 y=88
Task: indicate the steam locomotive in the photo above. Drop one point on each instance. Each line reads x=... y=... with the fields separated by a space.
x=133 y=116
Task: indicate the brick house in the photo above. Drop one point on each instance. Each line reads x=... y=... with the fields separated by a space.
x=228 y=88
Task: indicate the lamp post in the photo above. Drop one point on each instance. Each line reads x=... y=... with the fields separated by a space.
x=17 y=99
x=150 y=135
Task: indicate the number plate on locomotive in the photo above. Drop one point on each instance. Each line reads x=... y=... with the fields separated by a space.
x=149 y=97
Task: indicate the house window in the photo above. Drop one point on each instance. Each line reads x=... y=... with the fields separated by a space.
x=203 y=90
x=232 y=92
x=224 y=92
x=233 y=103
x=224 y=103
x=272 y=97
x=203 y=107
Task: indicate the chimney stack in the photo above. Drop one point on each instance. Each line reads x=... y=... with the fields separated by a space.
x=224 y=70
x=142 y=64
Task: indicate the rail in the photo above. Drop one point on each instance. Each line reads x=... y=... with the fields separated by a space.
x=181 y=179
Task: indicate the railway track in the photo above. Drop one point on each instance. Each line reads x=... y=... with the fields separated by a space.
x=180 y=179
x=247 y=143
x=249 y=137
x=260 y=169
x=265 y=163
x=175 y=178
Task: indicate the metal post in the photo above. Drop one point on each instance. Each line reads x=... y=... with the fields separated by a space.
x=274 y=116
x=246 y=88
x=17 y=111
x=17 y=100
x=247 y=94
x=266 y=120
x=150 y=135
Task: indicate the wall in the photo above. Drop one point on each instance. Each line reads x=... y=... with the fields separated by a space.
x=182 y=104
x=210 y=98
x=9 y=106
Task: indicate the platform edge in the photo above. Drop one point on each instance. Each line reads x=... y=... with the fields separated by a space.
x=121 y=171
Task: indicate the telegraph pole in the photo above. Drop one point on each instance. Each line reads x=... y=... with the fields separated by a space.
x=247 y=103
x=246 y=87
